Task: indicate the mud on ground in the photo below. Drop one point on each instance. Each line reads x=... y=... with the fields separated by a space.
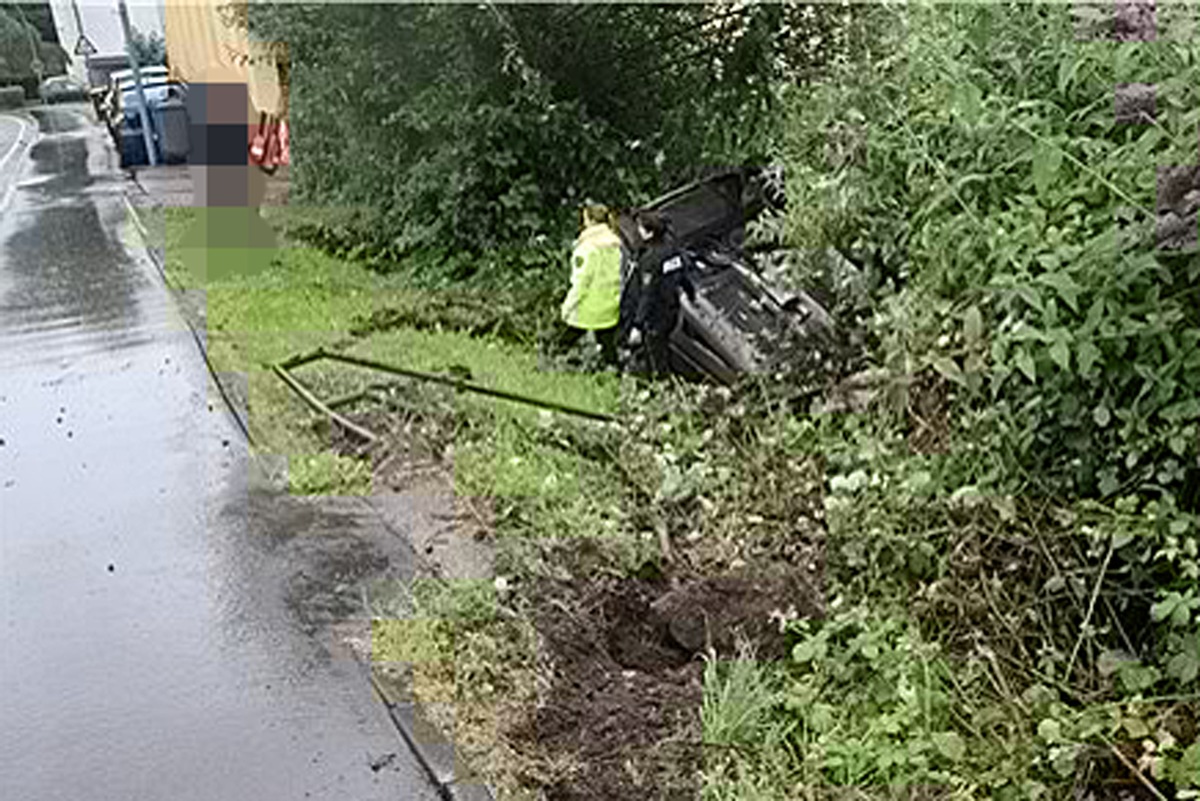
x=620 y=661
x=624 y=659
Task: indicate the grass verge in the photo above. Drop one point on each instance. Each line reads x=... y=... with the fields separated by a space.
x=971 y=646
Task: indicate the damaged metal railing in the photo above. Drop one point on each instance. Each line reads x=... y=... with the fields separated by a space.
x=284 y=371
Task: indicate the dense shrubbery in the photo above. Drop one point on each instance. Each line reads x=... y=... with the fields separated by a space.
x=18 y=39
x=1013 y=540
x=982 y=153
x=1030 y=497
x=478 y=130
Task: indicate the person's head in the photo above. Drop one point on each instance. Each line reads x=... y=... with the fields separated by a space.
x=652 y=226
x=594 y=214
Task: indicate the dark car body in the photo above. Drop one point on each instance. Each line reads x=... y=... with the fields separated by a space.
x=729 y=321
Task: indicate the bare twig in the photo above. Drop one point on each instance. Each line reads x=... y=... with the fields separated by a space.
x=1141 y=777
x=1087 y=618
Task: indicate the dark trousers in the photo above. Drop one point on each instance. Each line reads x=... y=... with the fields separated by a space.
x=568 y=337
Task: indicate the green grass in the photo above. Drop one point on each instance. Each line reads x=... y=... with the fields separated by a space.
x=263 y=310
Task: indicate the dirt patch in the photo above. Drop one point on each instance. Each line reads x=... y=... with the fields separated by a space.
x=620 y=717
x=619 y=661
x=749 y=603
x=412 y=477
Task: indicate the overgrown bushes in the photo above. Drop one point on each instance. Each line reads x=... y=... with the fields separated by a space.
x=474 y=131
x=1027 y=490
x=1012 y=534
x=12 y=97
x=982 y=152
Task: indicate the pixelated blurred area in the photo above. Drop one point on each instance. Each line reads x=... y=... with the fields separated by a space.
x=1178 y=207
x=1177 y=21
x=1092 y=20
x=236 y=138
x=1135 y=103
x=1134 y=21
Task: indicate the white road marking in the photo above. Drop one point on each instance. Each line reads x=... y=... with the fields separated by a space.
x=12 y=186
x=16 y=142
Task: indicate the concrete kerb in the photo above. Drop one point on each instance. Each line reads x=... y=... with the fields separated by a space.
x=439 y=760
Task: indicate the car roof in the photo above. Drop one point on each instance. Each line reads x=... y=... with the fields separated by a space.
x=148 y=68
x=147 y=80
x=123 y=75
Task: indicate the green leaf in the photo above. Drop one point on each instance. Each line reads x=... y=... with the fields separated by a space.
x=949 y=370
x=1030 y=295
x=1185 y=665
x=1066 y=73
x=1121 y=538
x=1060 y=349
x=968 y=101
x=1181 y=615
x=1047 y=160
x=1136 y=727
x=1136 y=678
x=1025 y=332
x=1164 y=608
x=1086 y=355
x=1094 y=315
x=1065 y=285
x=1183 y=410
x=972 y=326
x=809 y=650
x=951 y=745
x=1185 y=771
x=1063 y=760
x=1050 y=730
x=1025 y=364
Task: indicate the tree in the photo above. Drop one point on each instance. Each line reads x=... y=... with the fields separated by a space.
x=149 y=50
x=20 y=42
x=478 y=128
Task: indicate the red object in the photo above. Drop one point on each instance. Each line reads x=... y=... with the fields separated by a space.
x=269 y=143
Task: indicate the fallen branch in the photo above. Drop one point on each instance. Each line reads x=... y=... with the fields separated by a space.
x=1137 y=773
x=1087 y=619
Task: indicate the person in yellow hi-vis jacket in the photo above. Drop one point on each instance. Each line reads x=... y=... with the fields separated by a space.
x=594 y=300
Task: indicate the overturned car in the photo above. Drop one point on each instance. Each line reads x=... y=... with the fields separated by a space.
x=721 y=318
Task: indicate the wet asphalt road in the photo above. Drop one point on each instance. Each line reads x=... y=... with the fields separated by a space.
x=154 y=641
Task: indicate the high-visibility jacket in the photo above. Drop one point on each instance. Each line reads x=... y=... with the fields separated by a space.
x=594 y=300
